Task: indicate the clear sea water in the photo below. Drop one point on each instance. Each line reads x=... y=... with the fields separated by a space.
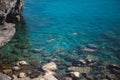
x=59 y=28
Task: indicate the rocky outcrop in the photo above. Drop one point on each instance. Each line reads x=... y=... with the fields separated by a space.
x=10 y=11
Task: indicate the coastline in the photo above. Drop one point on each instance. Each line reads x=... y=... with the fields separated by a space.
x=10 y=11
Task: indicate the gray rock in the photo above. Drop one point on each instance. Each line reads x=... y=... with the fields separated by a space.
x=4 y=77
x=12 y=7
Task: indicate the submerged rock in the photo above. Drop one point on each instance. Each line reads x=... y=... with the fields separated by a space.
x=88 y=50
x=92 y=46
x=80 y=69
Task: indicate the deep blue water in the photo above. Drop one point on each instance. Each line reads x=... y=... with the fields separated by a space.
x=61 y=27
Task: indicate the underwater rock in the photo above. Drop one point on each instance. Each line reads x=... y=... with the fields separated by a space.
x=38 y=50
x=79 y=63
x=80 y=69
x=4 y=77
x=85 y=62
x=88 y=50
x=92 y=46
x=22 y=63
x=50 y=67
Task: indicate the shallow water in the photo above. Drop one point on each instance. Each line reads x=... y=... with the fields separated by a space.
x=60 y=28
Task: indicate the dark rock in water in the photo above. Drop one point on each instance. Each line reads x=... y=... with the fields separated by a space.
x=4 y=77
x=111 y=77
x=86 y=62
x=34 y=74
x=67 y=78
x=79 y=63
x=114 y=68
x=92 y=46
x=87 y=50
x=80 y=69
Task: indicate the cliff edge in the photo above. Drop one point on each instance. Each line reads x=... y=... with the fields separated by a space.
x=10 y=11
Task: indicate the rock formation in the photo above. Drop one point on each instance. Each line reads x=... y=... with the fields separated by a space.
x=10 y=11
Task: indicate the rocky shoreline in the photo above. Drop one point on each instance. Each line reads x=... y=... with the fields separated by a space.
x=10 y=11
x=84 y=70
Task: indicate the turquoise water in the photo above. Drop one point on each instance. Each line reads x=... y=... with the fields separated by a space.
x=58 y=29
x=65 y=24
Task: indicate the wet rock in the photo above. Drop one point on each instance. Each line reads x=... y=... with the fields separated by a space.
x=22 y=74
x=74 y=74
x=79 y=63
x=114 y=68
x=7 y=31
x=50 y=67
x=80 y=69
x=68 y=78
x=33 y=74
x=49 y=77
x=22 y=63
x=111 y=77
x=86 y=62
x=7 y=71
x=4 y=77
x=17 y=17
x=16 y=68
x=38 y=50
x=92 y=46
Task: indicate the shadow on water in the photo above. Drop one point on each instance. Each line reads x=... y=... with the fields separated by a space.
x=18 y=48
